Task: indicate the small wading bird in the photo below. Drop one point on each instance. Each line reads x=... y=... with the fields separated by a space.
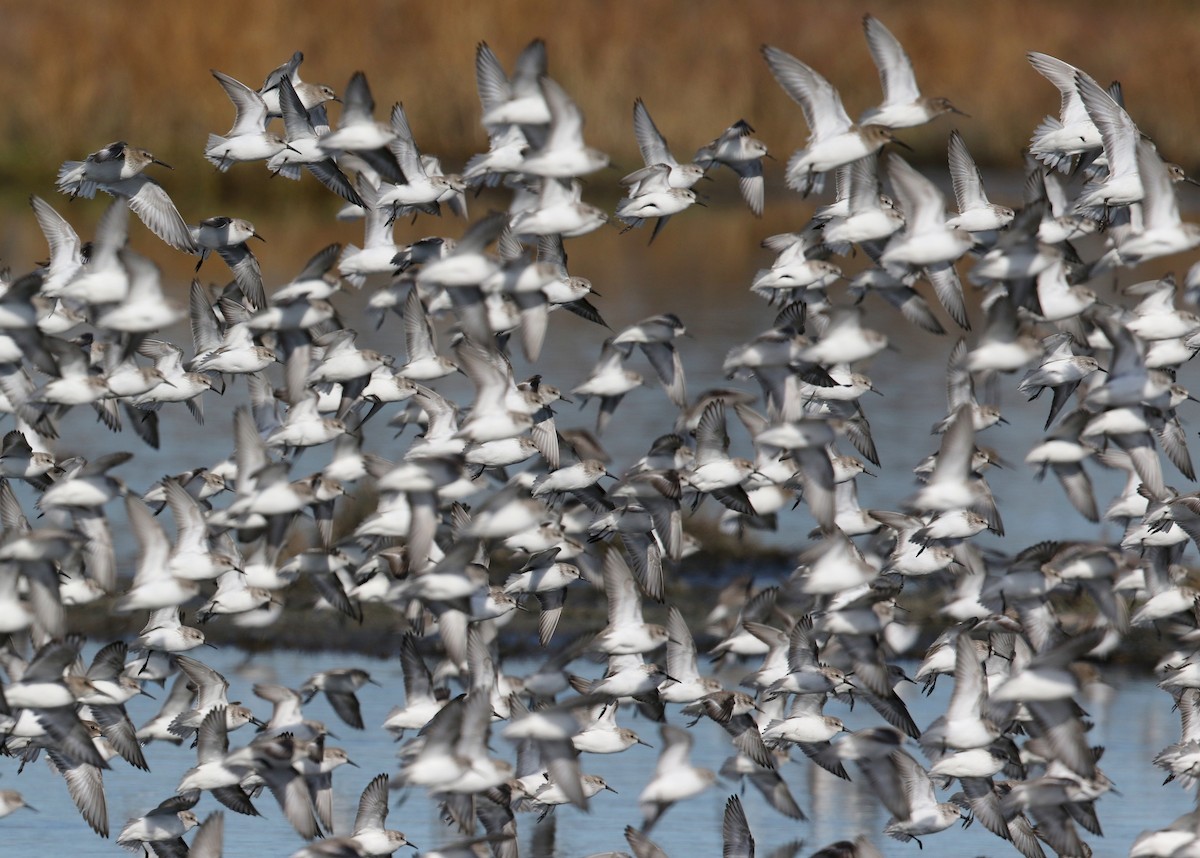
x=310 y=511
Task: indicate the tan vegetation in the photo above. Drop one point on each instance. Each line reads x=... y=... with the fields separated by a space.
x=82 y=74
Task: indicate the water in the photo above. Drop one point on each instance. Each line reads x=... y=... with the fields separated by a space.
x=699 y=268
x=1133 y=722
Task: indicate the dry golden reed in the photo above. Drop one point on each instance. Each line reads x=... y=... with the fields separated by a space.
x=82 y=74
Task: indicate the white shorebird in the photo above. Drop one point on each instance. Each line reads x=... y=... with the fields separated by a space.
x=655 y=151
x=339 y=686
x=420 y=700
x=675 y=778
x=518 y=100
x=303 y=147
x=248 y=139
x=654 y=197
x=1162 y=231
x=170 y=820
x=1119 y=134
x=144 y=308
x=358 y=131
x=219 y=770
x=227 y=237
x=627 y=632
x=559 y=210
x=610 y=381
x=905 y=788
x=11 y=801
x=66 y=257
x=903 y=105
x=868 y=216
x=741 y=152
x=1058 y=139
x=117 y=169
x=497 y=487
x=420 y=190
x=928 y=238
x=564 y=155
x=369 y=833
x=310 y=95
x=115 y=162
x=834 y=139
x=379 y=250
x=976 y=213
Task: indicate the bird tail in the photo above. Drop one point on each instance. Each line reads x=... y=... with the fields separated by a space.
x=1052 y=158
x=279 y=166
x=221 y=162
x=71 y=180
x=356 y=278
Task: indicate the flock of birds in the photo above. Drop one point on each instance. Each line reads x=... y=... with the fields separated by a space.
x=492 y=508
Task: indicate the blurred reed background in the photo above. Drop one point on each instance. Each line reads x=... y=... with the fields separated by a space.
x=80 y=75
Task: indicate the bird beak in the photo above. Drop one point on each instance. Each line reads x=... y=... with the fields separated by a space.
x=902 y=144
x=352 y=763
x=161 y=163
x=954 y=109
x=259 y=237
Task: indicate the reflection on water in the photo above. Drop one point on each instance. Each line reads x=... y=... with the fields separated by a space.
x=1133 y=722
